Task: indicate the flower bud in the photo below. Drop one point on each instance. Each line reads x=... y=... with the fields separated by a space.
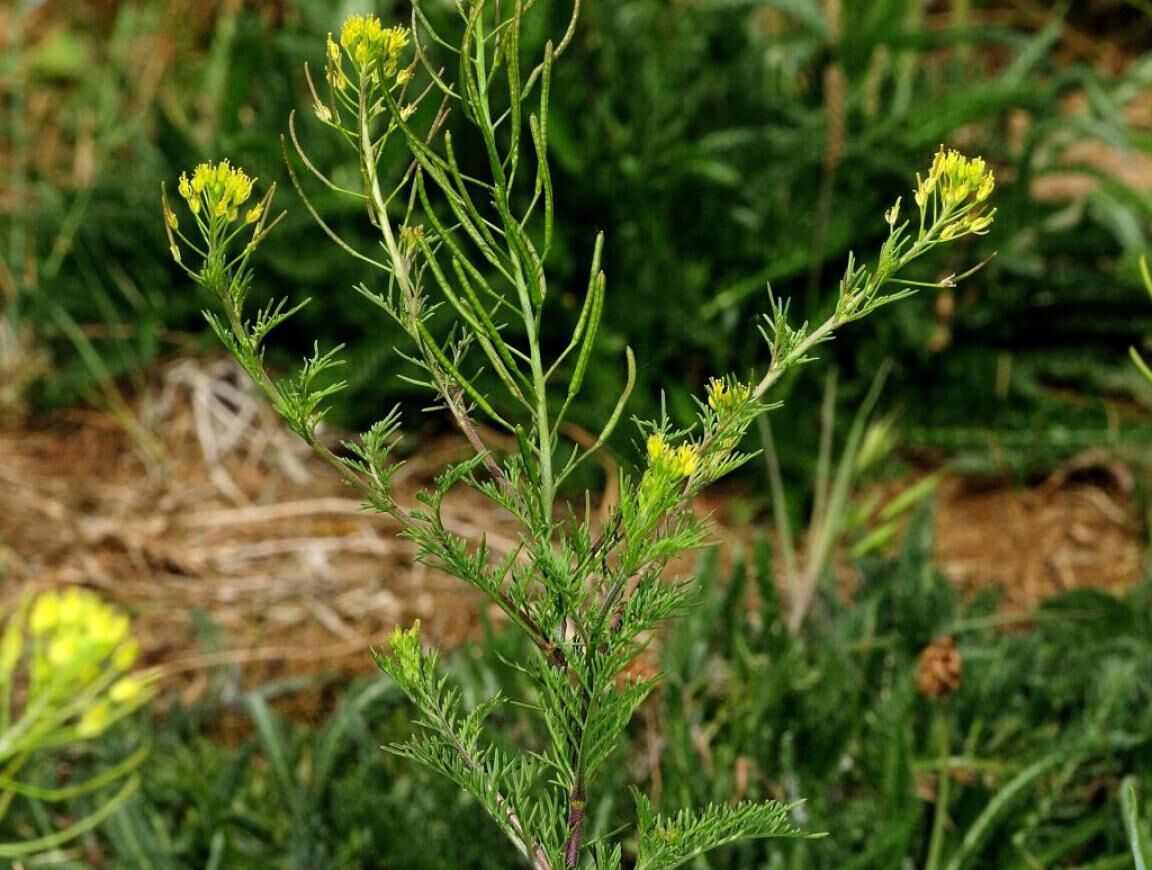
x=727 y=396
x=126 y=654
x=668 y=461
x=126 y=691
x=893 y=214
x=93 y=721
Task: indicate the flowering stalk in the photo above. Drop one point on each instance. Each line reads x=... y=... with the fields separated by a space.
x=65 y=662
x=587 y=595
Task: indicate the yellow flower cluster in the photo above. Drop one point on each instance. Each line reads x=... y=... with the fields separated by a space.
x=669 y=461
x=368 y=43
x=221 y=189
x=955 y=178
x=78 y=628
x=78 y=641
x=727 y=396
x=959 y=186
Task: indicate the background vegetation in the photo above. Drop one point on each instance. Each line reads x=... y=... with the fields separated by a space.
x=706 y=139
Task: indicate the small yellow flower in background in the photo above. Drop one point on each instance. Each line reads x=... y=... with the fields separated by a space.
x=81 y=638
x=93 y=721
x=79 y=653
x=126 y=654
x=126 y=690
x=61 y=652
x=45 y=613
x=108 y=628
x=72 y=607
x=254 y=214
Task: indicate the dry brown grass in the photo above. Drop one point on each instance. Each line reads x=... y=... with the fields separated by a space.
x=234 y=520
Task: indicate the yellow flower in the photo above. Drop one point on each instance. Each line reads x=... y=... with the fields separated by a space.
x=979 y=225
x=45 y=613
x=126 y=653
x=725 y=396
x=254 y=214
x=955 y=179
x=107 y=627
x=658 y=448
x=335 y=66
x=368 y=42
x=685 y=461
x=987 y=185
x=61 y=651
x=126 y=690
x=72 y=607
x=94 y=720
x=668 y=461
x=220 y=188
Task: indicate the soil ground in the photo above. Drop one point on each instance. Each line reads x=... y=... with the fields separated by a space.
x=232 y=545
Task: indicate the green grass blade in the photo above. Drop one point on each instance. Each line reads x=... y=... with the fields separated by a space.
x=1130 y=806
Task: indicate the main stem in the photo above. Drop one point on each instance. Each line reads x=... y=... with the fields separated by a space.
x=578 y=796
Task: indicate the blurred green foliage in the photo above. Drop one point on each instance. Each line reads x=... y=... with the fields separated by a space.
x=1052 y=712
